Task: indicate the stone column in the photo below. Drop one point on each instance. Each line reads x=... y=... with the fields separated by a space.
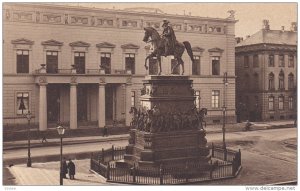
x=101 y=105
x=73 y=105
x=43 y=107
x=128 y=104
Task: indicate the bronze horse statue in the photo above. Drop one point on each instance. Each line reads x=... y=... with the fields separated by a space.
x=151 y=35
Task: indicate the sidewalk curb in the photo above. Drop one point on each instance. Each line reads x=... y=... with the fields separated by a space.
x=126 y=136
x=71 y=142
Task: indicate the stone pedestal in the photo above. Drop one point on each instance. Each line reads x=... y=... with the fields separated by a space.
x=165 y=129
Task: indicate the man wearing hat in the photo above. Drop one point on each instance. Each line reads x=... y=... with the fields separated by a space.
x=169 y=37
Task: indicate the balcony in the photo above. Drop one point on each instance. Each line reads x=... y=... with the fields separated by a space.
x=73 y=70
x=83 y=76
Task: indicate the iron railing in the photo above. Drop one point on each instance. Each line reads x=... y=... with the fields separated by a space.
x=86 y=71
x=104 y=163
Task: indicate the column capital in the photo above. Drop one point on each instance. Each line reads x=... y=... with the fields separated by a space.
x=43 y=84
x=43 y=81
x=102 y=84
x=73 y=84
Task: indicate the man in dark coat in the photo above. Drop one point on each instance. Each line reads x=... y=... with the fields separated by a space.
x=169 y=37
x=64 y=168
x=71 y=167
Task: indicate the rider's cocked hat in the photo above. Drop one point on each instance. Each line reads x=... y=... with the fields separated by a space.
x=165 y=22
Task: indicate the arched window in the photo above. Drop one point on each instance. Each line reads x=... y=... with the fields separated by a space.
x=281 y=60
x=291 y=102
x=271 y=103
x=281 y=102
x=281 y=80
x=256 y=81
x=291 y=61
x=271 y=81
x=291 y=81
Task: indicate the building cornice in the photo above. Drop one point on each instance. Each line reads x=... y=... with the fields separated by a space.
x=114 y=11
x=265 y=47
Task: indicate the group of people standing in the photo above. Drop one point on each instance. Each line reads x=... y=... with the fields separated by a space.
x=68 y=168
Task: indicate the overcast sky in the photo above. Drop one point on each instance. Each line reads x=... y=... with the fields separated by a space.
x=250 y=15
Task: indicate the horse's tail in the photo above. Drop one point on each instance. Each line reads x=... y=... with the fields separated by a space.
x=189 y=50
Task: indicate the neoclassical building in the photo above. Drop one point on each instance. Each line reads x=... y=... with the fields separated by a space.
x=85 y=66
x=266 y=65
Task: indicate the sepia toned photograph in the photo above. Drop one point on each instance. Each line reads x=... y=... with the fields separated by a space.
x=166 y=93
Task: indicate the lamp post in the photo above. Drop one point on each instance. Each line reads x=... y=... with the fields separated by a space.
x=61 y=132
x=28 y=116
x=225 y=82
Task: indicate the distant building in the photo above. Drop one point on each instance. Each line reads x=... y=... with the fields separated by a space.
x=85 y=66
x=266 y=65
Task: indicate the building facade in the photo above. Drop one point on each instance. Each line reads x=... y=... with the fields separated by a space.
x=80 y=66
x=266 y=65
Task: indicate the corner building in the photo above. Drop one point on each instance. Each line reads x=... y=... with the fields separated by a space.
x=85 y=66
x=266 y=65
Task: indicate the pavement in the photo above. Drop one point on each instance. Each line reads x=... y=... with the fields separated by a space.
x=10 y=145
x=46 y=173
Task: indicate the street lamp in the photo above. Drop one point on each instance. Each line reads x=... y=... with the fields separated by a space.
x=61 y=132
x=28 y=116
x=225 y=81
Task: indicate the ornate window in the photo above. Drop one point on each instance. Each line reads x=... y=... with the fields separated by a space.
x=271 y=103
x=52 y=49
x=271 y=60
x=246 y=61
x=215 y=55
x=281 y=80
x=215 y=65
x=281 y=60
x=22 y=103
x=291 y=61
x=129 y=52
x=52 y=61
x=271 y=81
x=196 y=66
x=22 y=61
x=130 y=62
x=106 y=62
x=291 y=103
x=291 y=81
x=215 y=99
x=255 y=61
x=21 y=48
x=79 y=62
x=281 y=102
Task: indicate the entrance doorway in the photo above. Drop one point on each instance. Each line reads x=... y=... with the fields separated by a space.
x=81 y=103
x=109 y=103
x=53 y=103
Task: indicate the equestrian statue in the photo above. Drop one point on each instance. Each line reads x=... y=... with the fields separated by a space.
x=166 y=45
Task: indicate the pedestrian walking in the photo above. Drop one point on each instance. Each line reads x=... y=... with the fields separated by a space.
x=248 y=125
x=44 y=139
x=105 y=131
x=71 y=168
x=64 y=168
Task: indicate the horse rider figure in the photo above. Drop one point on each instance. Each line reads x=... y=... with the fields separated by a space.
x=169 y=37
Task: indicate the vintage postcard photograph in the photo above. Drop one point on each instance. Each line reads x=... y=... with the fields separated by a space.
x=155 y=94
